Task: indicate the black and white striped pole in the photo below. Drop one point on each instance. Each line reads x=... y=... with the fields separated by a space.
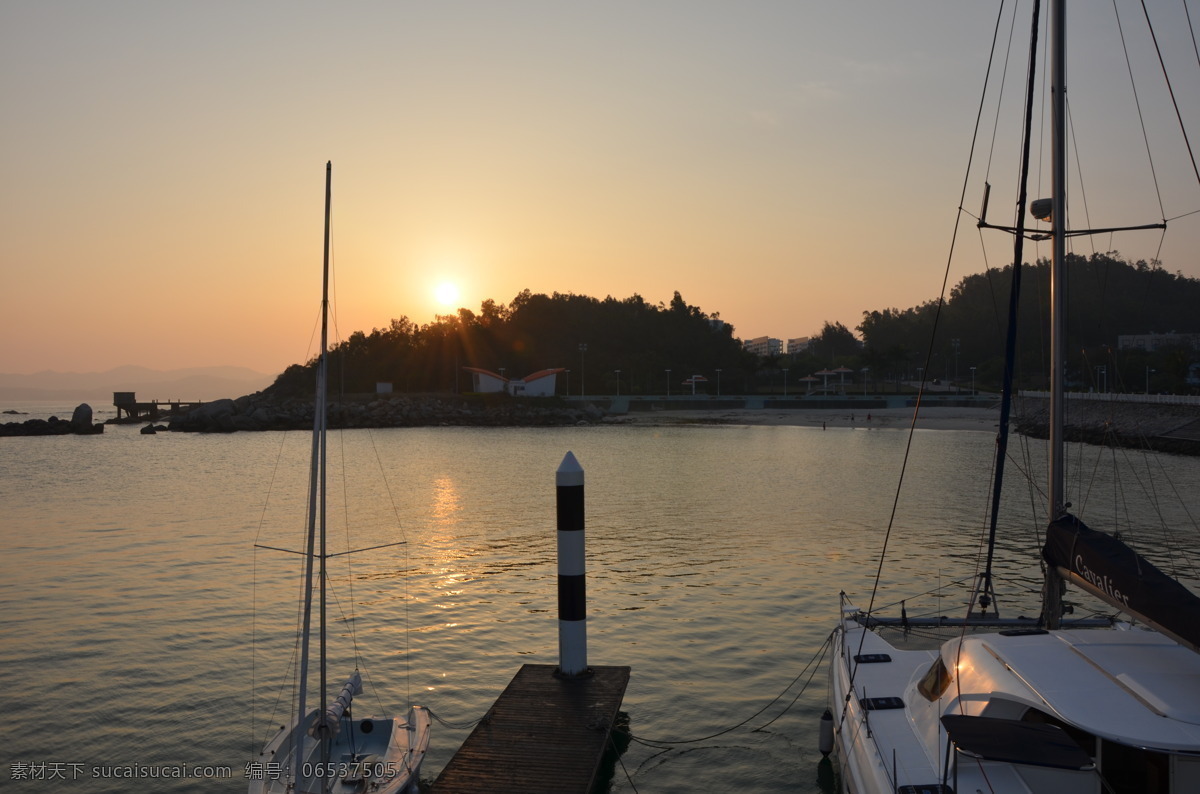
x=572 y=589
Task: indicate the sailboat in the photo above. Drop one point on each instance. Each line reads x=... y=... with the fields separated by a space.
x=329 y=750
x=1037 y=705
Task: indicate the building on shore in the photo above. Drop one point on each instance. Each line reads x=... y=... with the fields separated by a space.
x=798 y=344
x=1152 y=342
x=764 y=346
x=538 y=384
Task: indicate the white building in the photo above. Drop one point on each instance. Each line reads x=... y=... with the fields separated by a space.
x=798 y=344
x=1152 y=342
x=764 y=346
x=540 y=384
x=486 y=382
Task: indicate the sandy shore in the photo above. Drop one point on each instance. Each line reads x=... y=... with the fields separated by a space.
x=940 y=418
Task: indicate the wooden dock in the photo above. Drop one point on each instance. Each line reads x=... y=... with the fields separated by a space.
x=543 y=734
x=152 y=410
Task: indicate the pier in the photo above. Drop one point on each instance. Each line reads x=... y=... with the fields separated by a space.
x=545 y=734
x=126 y=402
x=549 y=729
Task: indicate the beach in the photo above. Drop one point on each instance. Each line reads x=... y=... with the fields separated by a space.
x=931 y=418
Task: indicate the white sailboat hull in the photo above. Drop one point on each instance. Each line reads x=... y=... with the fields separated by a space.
x=1129 y=706
x=375 y=755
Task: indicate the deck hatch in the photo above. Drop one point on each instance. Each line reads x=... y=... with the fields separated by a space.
x=872 y=658
x=882 y=704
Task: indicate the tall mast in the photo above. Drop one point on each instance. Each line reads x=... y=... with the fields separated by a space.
x=323 y=397
x=316 y=491
x=1052 y=598
x=984 y=591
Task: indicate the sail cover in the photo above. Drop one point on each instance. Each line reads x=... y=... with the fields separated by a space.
x=1115 y=573
x=327 y=723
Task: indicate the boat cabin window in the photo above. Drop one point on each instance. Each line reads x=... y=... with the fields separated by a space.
x=1081 y=737
x=1125 y=769
x=935 y=681
x=1132 y=770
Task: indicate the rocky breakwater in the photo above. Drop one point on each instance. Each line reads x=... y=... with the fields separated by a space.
x=259 y=412
x=1163 y=427
x=80 y=424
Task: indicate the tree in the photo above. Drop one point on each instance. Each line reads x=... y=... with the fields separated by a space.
x=834 y=344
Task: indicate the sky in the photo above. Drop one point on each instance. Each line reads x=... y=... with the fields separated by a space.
x=781 y=164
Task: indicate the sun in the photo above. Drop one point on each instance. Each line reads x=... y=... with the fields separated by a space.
x=446 y=294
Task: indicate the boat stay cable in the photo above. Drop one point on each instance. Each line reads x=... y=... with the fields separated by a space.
x=933 y=334
x=1170 y=88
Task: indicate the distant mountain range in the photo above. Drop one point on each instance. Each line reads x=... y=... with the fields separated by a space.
x=196 y=383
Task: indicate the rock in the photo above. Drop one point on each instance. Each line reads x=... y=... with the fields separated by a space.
x=45 y=427
x=260 y=412
x=81 y=421
x=214 y=417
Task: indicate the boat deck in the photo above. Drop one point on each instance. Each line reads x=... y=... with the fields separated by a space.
x=543 y=734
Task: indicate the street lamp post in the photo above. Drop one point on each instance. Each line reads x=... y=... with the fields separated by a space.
x=955 y=342
x=718 y=383
x=1148 y=371
x=618 y=382
x=785 y=372
x=582 y=371
x=972 y=381
x=668 y=383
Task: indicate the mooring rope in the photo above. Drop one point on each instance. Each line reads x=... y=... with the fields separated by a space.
x=811 y=669
x=456 y=725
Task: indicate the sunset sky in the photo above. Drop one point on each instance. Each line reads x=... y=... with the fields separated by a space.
x=781 y=163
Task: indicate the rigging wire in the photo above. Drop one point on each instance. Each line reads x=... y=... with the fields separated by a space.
x=929 y=351
x=987 y=171
x=1087 y=215
x=407 y=565
x=262 y=521
x=291 y=666
x=1138 y=104
x=1191 y=29
x=1170 y=88
x=341 y=440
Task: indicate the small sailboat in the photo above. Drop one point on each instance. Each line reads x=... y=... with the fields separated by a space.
x=331 y=750
x=1031 y=705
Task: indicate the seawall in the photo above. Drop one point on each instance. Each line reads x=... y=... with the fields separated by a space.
x=1126 y=420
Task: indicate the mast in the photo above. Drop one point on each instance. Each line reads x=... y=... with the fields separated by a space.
x=322 y=393
x=985 y=593
x=316 y=486
x=1052 y=597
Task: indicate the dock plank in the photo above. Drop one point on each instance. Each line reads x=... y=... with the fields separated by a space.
x=543 y=734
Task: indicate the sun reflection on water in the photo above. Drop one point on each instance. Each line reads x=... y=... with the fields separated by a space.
x=446 y=501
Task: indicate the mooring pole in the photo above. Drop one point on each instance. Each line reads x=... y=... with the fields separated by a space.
x=572 y=590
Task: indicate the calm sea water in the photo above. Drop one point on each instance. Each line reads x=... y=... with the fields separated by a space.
x=139 y=626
